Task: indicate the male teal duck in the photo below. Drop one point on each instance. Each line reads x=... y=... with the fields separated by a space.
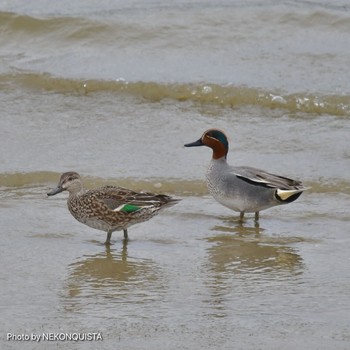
x=243 y=189
x=109 y=208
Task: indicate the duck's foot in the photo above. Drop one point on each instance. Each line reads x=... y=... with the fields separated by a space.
x=108 y=239
x=256 y=220
x=126 y=237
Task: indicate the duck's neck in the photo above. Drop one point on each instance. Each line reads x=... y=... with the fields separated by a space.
x=216 y=165
x=76 y=191
x=221 y=160
x=219 y=151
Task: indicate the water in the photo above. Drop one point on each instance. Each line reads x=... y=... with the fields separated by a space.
x=113 y=90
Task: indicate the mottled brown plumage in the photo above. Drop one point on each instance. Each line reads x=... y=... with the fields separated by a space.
x=109 y=208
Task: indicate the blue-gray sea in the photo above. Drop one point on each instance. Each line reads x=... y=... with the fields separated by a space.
x=113 y=90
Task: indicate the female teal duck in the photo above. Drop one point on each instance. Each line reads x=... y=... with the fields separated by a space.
x=109 y=208
x=244 y=189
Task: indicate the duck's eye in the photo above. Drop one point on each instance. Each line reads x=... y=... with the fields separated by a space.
x=212 y=136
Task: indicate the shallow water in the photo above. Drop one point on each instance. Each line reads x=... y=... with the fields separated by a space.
x=113 y=91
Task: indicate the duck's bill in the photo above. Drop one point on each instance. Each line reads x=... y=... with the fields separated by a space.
x=194 y=144
x=56 y=190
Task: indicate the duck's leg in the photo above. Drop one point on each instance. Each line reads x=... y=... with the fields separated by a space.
x=256 y=216
x=241 y=216
x=108 y=240
x=125 y=234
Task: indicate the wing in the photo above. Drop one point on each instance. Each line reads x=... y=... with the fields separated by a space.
x=262 y=178
x=120 y=198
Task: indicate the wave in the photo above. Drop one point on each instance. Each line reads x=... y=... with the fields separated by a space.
x=223 y=95
x=78 y=26
x=48 y=179
x=52 y=34
x=179 y=187
x=24 y=26
x=335 y=18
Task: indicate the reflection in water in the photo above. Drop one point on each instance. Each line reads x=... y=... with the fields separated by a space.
x=110 y=277
x=245 y=261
